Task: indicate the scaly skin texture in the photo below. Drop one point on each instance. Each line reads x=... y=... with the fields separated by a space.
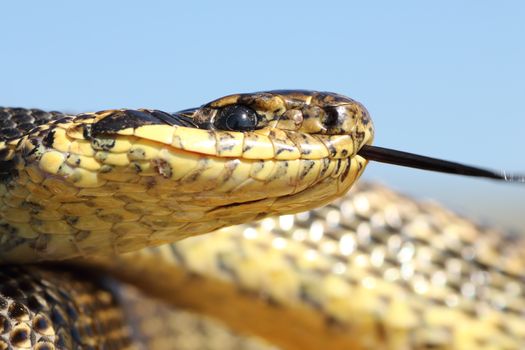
x=46 y=309
x=116 y=181
x=157 y=325
x=376 y=271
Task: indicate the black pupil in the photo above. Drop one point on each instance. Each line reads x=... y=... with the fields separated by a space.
x=236 y=118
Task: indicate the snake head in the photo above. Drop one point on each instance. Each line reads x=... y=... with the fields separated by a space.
x=291 y=140
x=311 y=112
x=339 y=124
x=118 y=180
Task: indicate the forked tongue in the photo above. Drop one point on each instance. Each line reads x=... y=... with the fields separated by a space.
x=411 y=160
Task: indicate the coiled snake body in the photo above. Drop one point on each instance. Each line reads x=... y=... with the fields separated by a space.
x=374 y=270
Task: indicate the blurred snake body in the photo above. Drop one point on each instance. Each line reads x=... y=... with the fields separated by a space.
x=375 y=270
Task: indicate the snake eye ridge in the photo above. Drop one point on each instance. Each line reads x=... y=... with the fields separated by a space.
x=236 y=118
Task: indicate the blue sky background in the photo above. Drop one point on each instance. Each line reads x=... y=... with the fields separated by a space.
x=443 y=78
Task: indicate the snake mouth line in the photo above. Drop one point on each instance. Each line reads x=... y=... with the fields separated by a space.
x=65 y=151
x=301 y=193
x=194 y=172
x=206 y=164
x=266 y=143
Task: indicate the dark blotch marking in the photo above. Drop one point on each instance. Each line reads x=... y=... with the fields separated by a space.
x=270 y=300
x=9 y=134
x=193 y=177
x=19 y=336
x=220 y=262
x=58 y=317
x=105 y=144
x=41 y=323
x=333 y=322
x=11 y=292
x=346 y=171
x=332 y=118
x=284 y=148
x=306 y=170
x=75 y=334
x=332 y=150
x=137 y=168
x=138 y=153
x=17 y=311
x=282 y=167
x=105 y=169
x=72 y=220
x=49 y=139
x=337 y=166
x=177 y=255
x=225 y=142
x=359 y=136
x=365 y=119
x=71 y=311
x=163 y=168
x=280 y=144
x=35 y=152
x=34 y=304
x=26 y=286
x=324 y=169
x=86 y=132
x=304 y=296
x=4 y=153
x=8 y=171
x=33 y=207
x=5 y=325
x=62 y=341
x=150 y=183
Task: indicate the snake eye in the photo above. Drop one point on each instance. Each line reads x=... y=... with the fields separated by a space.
x=236 y=118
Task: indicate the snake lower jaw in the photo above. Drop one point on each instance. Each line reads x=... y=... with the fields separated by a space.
x=146 y=208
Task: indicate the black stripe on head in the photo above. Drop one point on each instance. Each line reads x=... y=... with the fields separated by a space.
x=174 y=119
x=120 y=120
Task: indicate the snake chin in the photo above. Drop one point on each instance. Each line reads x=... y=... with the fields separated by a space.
x=301 y=198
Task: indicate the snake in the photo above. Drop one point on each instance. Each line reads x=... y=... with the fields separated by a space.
x=112 y=221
